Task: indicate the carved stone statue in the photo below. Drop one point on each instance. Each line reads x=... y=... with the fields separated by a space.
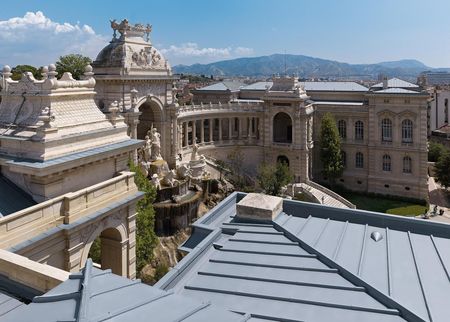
x=169 y=179
x=182 y=172
x=156 y=144
x=147 y=149
x=155 y=182
x=194 y=152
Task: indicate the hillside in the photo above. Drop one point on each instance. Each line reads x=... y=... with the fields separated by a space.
x=303 y=66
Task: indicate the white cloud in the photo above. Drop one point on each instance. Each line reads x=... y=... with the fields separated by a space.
x=191 y=52
x=35 y=39
x=243 y=51
x=192 y=49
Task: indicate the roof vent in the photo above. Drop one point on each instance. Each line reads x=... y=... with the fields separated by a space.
x=376 y=236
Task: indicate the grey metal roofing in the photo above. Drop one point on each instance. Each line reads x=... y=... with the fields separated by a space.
x=334 y=86
x=317 y=263
x=223 y=86
x=396 y=90
x=316 y=86
x=7 y=303
x=96 y=295
x=12 y=198
x=397 y=82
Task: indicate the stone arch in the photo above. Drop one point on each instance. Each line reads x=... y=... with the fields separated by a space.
x=114 y=251
x=152 y=113
x=282 y=128
x=283 y=159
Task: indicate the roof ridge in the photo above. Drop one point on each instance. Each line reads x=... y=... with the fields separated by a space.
x=354 y=279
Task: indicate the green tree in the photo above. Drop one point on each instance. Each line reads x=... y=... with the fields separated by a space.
x=236 y=159
x=272 y=178
x=20 y=69
x=146 y=239
x=435 y=150
x=443 y=169
x=221 y=166
x=73 y=63
x=330 y=149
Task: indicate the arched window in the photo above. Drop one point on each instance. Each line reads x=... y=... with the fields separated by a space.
x=386 y=130
x=359 y=160
x=407 y=165
x=342 y=128
x=344 y=158
x=386 y=163
x=407 y=131
x=282 y=128
x=359 y=130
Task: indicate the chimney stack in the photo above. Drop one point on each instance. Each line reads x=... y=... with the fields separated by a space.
x=385 y=82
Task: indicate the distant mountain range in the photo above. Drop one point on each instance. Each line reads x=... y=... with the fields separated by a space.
x=305 y=66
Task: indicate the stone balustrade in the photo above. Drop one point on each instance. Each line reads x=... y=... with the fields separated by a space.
x=186 y=110
x=64 y=209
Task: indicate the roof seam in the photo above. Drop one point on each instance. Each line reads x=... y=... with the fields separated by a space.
x=295 y=268
x=269 y=280
x=355 y=279
x=321 y=232
x=418 y=275
x=290 y=299
x=339 y=243
x=132 y=307
x=388 y=262
x=193 y=311
x=363 y=249
x=440 y=257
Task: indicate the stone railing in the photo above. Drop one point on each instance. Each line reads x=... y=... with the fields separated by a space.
x=331 y=193
x=64 y=209
x=37 y=276
x=230 y=106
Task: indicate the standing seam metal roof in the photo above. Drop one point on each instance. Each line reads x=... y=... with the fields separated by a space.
x=317 y=263
x=96 y=295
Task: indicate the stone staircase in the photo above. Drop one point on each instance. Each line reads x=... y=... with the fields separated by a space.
x=321 y=194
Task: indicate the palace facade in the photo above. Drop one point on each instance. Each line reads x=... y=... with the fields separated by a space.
x=383 y=128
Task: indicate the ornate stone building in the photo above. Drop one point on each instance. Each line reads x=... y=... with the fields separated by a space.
x=63 y=174
x=383 y=129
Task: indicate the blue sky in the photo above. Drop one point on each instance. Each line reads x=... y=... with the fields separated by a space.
x=202 y=31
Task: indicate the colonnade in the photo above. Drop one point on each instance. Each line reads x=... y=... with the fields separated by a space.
x=220 y=130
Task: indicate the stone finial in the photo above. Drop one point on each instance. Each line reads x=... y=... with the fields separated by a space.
x=113 y=109
x=133 y=94
x=52 y=73
x=6 y=72
x=44 y=72
x=258 y=207
x=88 y=71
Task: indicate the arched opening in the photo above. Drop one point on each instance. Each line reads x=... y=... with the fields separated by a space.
x=282 y=128
x=283 y=159
x=106 y=251
x=151 y=115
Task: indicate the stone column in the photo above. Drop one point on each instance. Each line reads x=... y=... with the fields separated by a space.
x=211 y=124
x=202 y=131
x=230 y=128
x=240 y=128
x=186 y=136
x=220 y=130
x=194 y=132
